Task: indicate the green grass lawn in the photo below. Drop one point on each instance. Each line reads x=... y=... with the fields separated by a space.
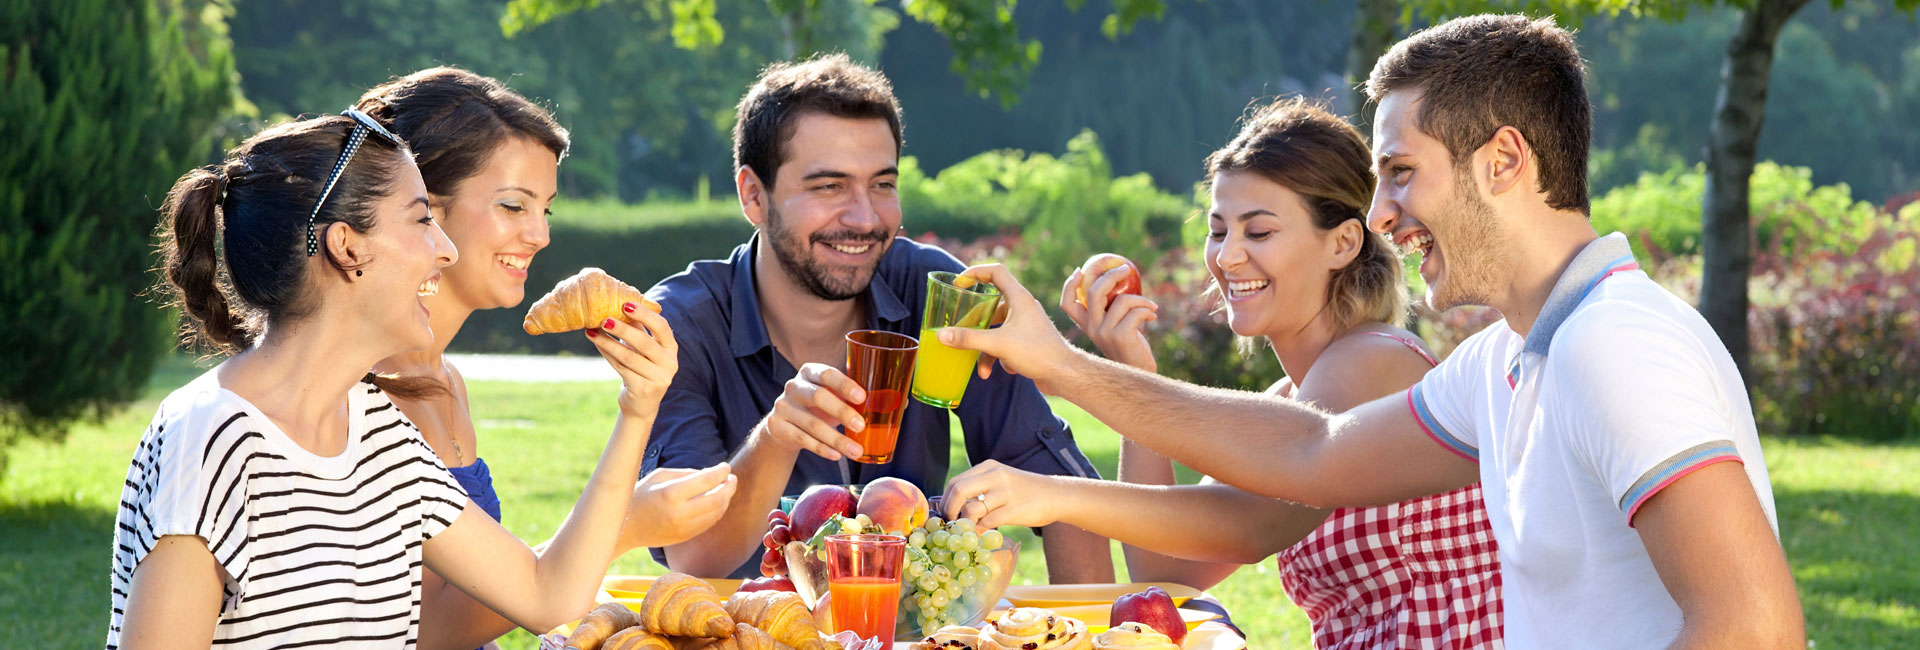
x=1850 y=513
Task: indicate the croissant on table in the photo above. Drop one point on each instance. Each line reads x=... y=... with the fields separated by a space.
x=782 y=615
x=582 y=301
x=1027 y=628
x=748 y=637
x=599 y=624
x=636 y=638
x=681 y=605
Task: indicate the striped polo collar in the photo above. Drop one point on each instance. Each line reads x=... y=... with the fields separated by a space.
x=1602 y=258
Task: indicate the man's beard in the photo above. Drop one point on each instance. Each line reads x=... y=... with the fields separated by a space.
x=1478 y=254
x=796 y=258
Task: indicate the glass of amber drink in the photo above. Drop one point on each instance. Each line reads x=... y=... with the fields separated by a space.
x=882 y=363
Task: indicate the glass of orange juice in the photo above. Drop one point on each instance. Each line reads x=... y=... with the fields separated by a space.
x=882 y=363
x=863 y=578
x=940 y=376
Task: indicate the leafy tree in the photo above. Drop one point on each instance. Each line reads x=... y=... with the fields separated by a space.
x=989 y=52
x=647 y=117
x=103 y=103
x=1163 y=97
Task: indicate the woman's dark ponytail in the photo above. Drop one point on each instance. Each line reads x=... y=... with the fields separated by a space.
x=190 y=246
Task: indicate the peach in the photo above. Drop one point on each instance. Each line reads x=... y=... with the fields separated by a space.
x=895 y=505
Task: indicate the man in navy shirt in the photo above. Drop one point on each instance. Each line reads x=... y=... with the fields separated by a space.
x=762 y=347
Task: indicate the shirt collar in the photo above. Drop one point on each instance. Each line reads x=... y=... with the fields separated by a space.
x=1601 y=258
x=749 y=335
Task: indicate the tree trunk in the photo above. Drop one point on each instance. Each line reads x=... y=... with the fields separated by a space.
x=1726 y=223
x=1375 y=23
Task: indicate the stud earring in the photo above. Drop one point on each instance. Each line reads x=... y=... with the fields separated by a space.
x=358 y=273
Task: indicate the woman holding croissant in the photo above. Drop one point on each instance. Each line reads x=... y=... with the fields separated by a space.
x=280 y=500
x=1288 y=249
x=490 y=159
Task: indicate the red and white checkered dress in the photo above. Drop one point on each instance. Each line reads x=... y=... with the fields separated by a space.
x=1423 y=574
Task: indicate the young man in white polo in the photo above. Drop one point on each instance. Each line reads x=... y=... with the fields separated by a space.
x=1607 y=423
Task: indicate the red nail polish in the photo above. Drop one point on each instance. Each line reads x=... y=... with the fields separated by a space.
x=607 y=325
x=629 y=307
x=593 y=333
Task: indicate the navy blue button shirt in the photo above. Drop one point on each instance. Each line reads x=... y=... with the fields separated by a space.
x=730 y=374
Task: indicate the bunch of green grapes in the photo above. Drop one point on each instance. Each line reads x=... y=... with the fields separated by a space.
x=948 y=567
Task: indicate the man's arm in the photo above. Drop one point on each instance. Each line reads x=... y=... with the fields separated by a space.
x=1718 y=557
x=1270 y=446
x=763 y=467
x=803 y=417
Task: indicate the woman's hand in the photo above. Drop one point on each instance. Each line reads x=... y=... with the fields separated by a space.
x=1115 y=326
x=643 y=351
x=672 y=505
x=995 y=495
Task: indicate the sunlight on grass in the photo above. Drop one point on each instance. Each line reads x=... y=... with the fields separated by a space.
x=1850 y=514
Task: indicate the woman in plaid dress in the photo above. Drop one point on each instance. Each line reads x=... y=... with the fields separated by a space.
x=1289 y=251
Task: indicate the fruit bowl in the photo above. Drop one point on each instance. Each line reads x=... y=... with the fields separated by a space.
x=809 y=574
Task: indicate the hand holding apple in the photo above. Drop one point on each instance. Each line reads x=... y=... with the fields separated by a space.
x=1117 y=324
x=1096 y=268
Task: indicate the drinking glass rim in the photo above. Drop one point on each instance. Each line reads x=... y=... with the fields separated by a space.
x=947 y=277
x=869 y=539
x=911 y=342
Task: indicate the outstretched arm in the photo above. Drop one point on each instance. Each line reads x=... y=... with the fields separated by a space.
x=1270 y=446
x=481 y=558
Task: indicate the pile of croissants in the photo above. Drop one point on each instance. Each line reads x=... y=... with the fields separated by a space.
x=682 y=612
x=1028 y=628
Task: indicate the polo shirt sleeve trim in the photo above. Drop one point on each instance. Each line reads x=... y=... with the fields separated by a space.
x=1664 y=474
x=1417 y=403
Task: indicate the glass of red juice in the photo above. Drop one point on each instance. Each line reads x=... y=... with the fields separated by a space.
x=882 y=363
x=863 y=576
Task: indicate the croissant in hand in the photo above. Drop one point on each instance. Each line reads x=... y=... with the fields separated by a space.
x=582 y=301
x=782 y=614
x=681 y=605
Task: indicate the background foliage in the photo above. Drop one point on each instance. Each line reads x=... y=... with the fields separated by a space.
x=95 y=95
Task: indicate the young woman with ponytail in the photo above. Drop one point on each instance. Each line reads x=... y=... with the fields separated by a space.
x=280 y=500
x=490 y=159
x=1289 y=250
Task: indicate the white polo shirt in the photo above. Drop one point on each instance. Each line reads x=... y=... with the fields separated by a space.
x=1619 y=390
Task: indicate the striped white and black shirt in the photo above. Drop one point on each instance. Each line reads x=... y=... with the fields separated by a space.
x=313 y=551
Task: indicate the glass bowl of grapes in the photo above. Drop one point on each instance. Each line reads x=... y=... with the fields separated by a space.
x=954 y=574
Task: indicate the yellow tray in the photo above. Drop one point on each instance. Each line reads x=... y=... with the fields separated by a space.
x=1096 y=616
x=635 y=587
x=1053 y=596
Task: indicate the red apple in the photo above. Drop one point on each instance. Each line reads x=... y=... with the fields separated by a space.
x=775 y=583
x=1152 y=607
x=818 y=504
x=1099 y=264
